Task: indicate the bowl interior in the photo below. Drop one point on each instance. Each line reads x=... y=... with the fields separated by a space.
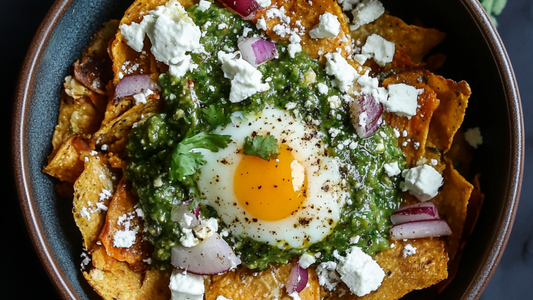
x=473 y=55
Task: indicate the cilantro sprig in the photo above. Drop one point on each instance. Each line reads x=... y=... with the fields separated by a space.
x=260 y=146
x=185 y=162
x=215 y=117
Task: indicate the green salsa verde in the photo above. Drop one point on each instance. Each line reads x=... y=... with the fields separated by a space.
x=198 y=102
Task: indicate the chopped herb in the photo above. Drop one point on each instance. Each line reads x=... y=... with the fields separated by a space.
x=184 y=162
x=215 y=116
x=263 y=147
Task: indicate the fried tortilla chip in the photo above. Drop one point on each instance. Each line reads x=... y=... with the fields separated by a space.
x=94 y=68
x=460 y=153
x=77 y=114
x=123 y=218
x=416 y=40
x=452 y=202
x=449 y=115
x=120 y=127
x=113 y=280
x=404 y=273
x=124 y=57
x=307 y=13
x=92 y=194
x=245 y=284
x=413 y=144
x=66 y=165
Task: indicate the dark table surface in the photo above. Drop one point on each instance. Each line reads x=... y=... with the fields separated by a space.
x=22 y=275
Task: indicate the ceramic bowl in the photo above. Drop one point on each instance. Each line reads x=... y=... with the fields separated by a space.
x=475 y=54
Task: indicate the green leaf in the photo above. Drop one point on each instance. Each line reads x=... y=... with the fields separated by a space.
x=263 y=147
x=185 y=162
x=215 y=117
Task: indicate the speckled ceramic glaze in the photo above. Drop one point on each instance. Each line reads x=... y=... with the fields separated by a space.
x=475 y=54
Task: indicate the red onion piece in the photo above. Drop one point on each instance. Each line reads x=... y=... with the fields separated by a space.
x=297 y=280
x=420 y=229
x=134 y=84
x=211 y=256
x=177 y=213
x=366 y=115
x=415 y=212
x=246 y=8
x=256 y=50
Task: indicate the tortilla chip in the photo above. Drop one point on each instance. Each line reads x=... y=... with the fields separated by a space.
x=120 y=127
x=451 y=202
x=123 y=207
x=450 y=114
x=76 y=116
x=66 y=165
x=113 y=280
x=124 y=57
x=89 y=198
x=414 y=144
x=460 y=153
x=94 y=68
x=415 y=39
x=308 y=13
x=403 y=274
x=245 y=284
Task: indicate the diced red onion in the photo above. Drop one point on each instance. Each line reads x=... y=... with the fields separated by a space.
x=246 y=8
x=297 y=280
x=420 y=229
x=177 y=213
x=256 y=50
x=211 y=256
x=134 y=84
x=366 y=114
x=415 y=212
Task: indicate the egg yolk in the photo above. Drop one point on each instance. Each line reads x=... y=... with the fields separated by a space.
x=270 y=190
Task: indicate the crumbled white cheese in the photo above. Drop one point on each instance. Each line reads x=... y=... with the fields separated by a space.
x=141 y=97
x=360 y=58
x=327 y=275
x=355 y=239
x=408 y=250
x=344 y=73
x=328 y=27
x=473 y=137
x=206 y=228
x=306 y=260
x=245 y=79
x=392 y=169
x=295 y=296
x=204 y=5
x=423 y=182
x=334 y=102
x=322 y=88
x=294 y=45
x=179 y=69
x=402 y=100
x=171 y=31
x=367 y=11
x=347 y=5
x=187 y=238
x=261 y=24
x=124 y=238
x=359 y=272
x=263 y=3
x=379 y=48
x=186 y=286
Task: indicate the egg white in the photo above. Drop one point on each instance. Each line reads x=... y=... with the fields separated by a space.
x=326 y=192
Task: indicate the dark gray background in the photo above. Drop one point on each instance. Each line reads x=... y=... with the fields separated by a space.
x=22 y=275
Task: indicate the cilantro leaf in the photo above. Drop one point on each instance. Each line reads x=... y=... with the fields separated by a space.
x=215 y=117
x=263 y=147
x=185 y=163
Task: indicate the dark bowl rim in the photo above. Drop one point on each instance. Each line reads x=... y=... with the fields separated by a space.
x=34 y=223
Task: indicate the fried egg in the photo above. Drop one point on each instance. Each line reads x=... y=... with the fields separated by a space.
x=292 y=201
